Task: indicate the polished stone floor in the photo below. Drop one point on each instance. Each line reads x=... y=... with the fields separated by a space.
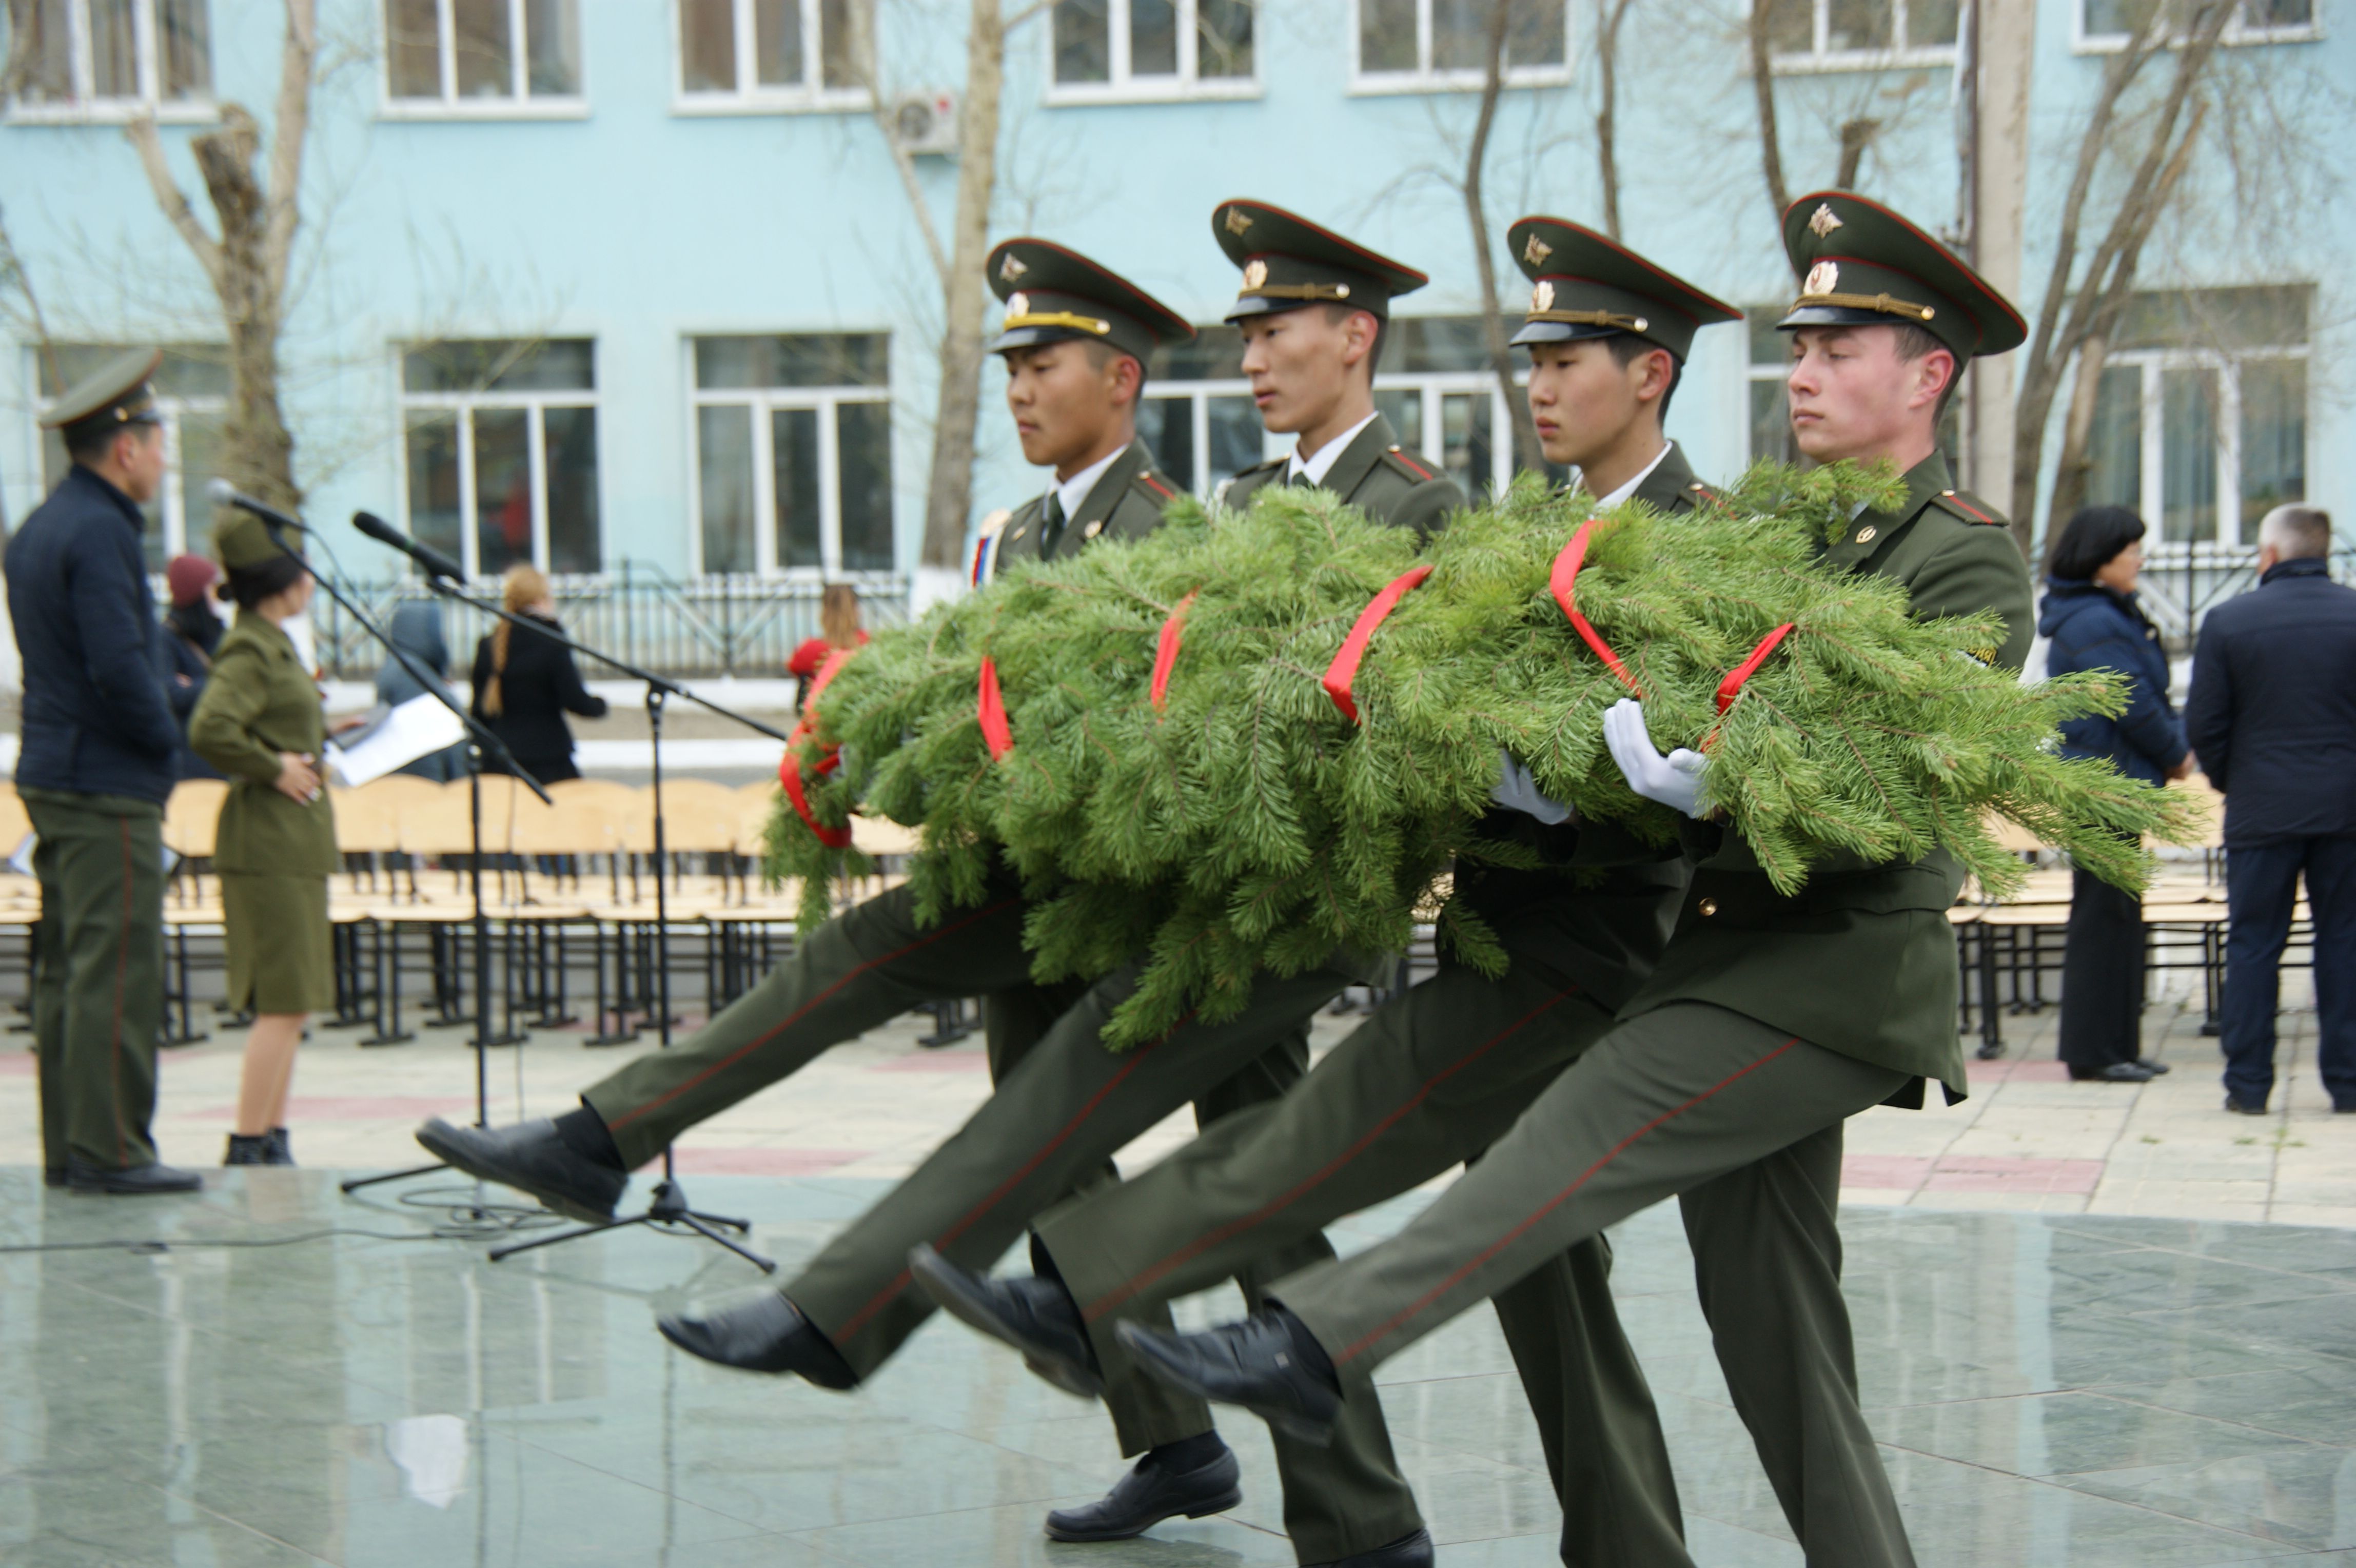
x=2053 y=1388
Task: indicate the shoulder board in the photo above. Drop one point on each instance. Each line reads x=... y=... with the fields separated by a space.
x=1413 y=467
x=1278 y=461
x=1154 y=488
x=1698 y=495
x=1969 y=508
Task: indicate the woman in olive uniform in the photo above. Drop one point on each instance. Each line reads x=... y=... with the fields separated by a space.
x=261 y=723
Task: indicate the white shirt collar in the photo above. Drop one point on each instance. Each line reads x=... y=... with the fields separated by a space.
x=1605 y=504
x=1320 y=463
x=1071 y=493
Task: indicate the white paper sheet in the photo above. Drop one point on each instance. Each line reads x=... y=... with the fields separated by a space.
x=419 y=728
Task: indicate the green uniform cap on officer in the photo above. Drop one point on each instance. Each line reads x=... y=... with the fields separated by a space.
x=1583 y=284
x=242 y=541
x=1861 y=264
x=116 y=396
x=1288 y=262
x=1053 y=294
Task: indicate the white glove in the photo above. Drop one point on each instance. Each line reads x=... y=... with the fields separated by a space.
x=1675 y=780
x=1517 y=792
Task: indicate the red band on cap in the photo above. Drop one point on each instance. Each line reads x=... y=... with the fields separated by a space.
x=1165 y=653
x=1345 y=668
x=1563 y=581
x=991 y=709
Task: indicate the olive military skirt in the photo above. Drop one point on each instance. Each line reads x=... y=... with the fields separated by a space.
x=281 y=950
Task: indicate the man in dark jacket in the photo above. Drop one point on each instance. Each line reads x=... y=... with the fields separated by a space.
x=2272 y=716
x=94 y=771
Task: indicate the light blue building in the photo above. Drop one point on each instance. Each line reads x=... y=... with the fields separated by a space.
x=633 y=286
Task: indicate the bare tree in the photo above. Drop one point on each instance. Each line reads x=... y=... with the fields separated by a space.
x=248 y=263
x=1527 y=452
x=2081 y=307
x=1762 y=90
x=1608 y=15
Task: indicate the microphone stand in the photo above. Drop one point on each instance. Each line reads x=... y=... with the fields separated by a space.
x=668 y=1211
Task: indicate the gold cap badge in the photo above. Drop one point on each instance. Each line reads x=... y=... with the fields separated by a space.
x=1018 y=304
x=1823 y=278
x=1254 y=273
x=1822 y=223
x=1542 y=297
x=1011 y=268
x=1237 y=220
x=1536 y=250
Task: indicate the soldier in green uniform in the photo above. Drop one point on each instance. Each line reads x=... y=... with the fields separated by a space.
x=1769 y=1020
x=1435 y=1076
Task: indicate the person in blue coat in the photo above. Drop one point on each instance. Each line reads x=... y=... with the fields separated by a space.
x=2272 y=710
x=94 y=768
x=2092 y=618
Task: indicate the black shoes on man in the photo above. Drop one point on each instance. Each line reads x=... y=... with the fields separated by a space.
x=763 y=1332
x=1192 y=1477
x=1269 y=1363
x=139 y=1181
x=1036 y=1316
x=534 y=1158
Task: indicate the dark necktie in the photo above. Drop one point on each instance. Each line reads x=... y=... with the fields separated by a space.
x=1051 y=525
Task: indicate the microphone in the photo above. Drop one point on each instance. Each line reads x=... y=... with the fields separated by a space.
x=434 y=563
x=224 y=494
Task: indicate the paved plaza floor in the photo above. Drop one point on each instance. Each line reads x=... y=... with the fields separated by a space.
x=2096 y=1326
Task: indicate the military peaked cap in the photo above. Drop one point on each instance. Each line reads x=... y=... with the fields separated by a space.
x=1583 y=284
x=1860 y=263
x=116 y=395
x=1053 y=294
x=1288 y=262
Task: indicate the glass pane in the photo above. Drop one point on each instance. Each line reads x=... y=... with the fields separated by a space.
x=1790 y=25
x=1857 y=24
x=805 y=360
x=2269 y=317
x=2274 y=438
x=1403 y=406
x=777 y=43
x=724 y=463
x=568 y=437
x=1223 y=38
x=1423 y=343
x=48 y=52
x=2114 y=444
x=1152 y=37
x=552 y=35
x=486 y=56
x=184 y=27
x=188 y=370
x=412 y=36
x=839 y=44
x=435 y=517
x=1769 y=346
x=707 y=45
x=1083 y=40
x=1216 y=354
x=2108 y=17
x=501 y=364
x=1770 y=421
x=2187 y=454
x=114 y=49
x=2277 y=13
x=1536 y=33
x=1460 y=34
x=793 y=458
x=1387 y=34
x=200 y=464
x=502 y=489
x=1236 y=440
x=864 y=470
x=1931 y=24
x=1166 y=425
x=1465 y=419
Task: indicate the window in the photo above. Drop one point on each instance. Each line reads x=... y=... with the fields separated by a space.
x=1849 y=35
x=793 y=445
x=192 y=394
x=2200 y=417
x=1198 y=415
x=114 y=59
x=501 y=436
x=739 y=55
x=1414 y=46
x=2110 y=24
x=469 y=58
x=1105 y=49
x=1769 y=405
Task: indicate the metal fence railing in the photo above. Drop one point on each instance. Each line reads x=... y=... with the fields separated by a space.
x=2183 y=581
x=742 y=626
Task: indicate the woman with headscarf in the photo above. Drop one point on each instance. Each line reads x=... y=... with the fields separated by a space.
x=2091 y=617
x=191 y=632
x=525 y=683
x=417 y=630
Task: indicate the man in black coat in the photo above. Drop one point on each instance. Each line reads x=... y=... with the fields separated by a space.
x=2272 y=716
x=94 y=771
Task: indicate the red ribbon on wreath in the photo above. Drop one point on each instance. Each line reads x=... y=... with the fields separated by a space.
x=789 y=771
x=1731 y=687
x=989 y=707
x=1563 y=581
x=1165 y=653
x=1345 y=668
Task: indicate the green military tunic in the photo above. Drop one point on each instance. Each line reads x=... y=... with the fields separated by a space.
x=1125 y=503
x=1373 y=475
x=274 y=855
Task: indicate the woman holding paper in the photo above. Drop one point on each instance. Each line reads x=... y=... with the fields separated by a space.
x=259 y=722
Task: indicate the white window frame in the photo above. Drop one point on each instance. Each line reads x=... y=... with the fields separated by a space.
x=764 y=402
x=173 y=497
x=1820 y=57
x=87 y=108
x=1431 y=387
x=2236 y=35
x=751 y=97
x=520 y=104
x=462 y=405
x=1196 y=395
x=1425 y=78
x=2151 y=481
x=1125 y=87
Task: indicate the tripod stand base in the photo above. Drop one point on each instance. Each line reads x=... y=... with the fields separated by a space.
x=670 y=1210
x=359 y=1182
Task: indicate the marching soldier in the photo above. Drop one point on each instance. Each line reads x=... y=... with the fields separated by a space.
x=1769 y=1019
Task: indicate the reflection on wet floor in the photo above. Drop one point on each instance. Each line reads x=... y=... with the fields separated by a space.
x=2056 y=1390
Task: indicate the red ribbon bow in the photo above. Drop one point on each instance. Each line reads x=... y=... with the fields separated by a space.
x=1562 y=581
x=789 y=771
x=989 y=707
x=1165 y=653
x=1345 y=668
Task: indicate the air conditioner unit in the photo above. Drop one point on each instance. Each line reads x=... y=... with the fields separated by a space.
x=927 y=123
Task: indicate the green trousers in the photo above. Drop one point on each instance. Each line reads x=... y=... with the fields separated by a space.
x=1061 y=1109
x=1430 y=1081
x=1742 y=1125
x=98 y=998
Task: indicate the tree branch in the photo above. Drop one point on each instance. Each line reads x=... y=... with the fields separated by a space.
x=1527 y=451
x=1609 y=13
x=298 y=60
x=1762 y=87
x=172 y=199
x=903 y=162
